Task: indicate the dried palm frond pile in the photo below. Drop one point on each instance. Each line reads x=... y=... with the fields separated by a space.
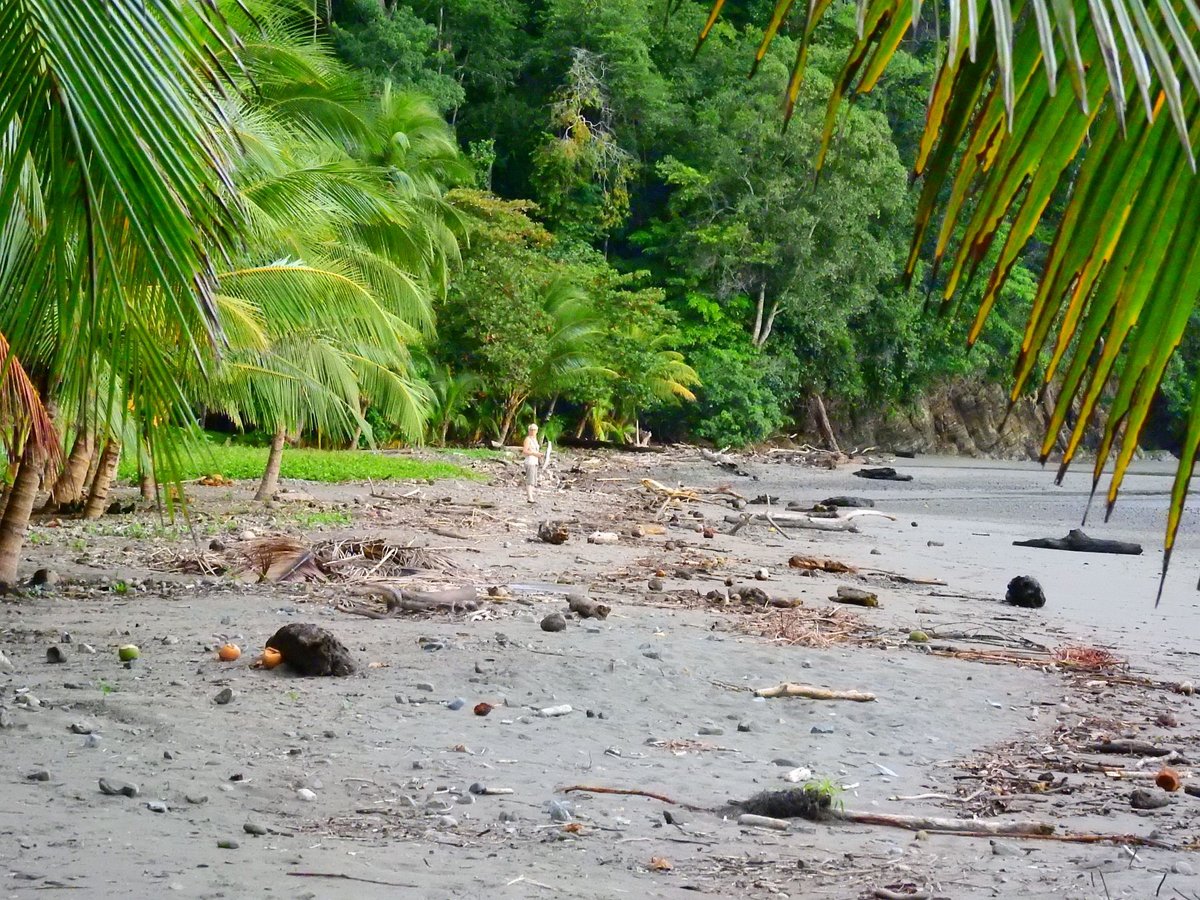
x=804 y=626
x=278 y=558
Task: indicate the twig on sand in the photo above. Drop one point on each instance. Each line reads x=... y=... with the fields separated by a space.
x=521 y=879
x=341 y=877
x=811 y=692
x=981 y=828
x=630 y=792
x=773 y=523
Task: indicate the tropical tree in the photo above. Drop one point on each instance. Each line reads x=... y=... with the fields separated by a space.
x=115 y=199
x=1001 y=140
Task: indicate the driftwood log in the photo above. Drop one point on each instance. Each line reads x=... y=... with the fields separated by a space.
x=882 y=473
x=844 y=522
x=464 y=599
x=811 y=692
x=855 y=596
x=1078 y=542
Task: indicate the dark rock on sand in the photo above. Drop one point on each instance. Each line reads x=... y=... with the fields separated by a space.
x=1024 y=591
x=556 y=621
x=311 y=650
x=553 y=532
x=882 y=473
x=44 y=578
x=849 y=502
x=114 y=788
x=1144 y=799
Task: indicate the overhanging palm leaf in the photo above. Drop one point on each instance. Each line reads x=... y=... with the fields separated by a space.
x=1123 y=273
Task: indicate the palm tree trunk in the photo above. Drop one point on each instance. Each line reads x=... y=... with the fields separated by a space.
x=270 y=479
x=823 y=423
x=146 y=483
x=69 y=486
x=15 y=522
x=97 y=500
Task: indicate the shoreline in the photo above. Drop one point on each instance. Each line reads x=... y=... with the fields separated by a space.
x=667 y=678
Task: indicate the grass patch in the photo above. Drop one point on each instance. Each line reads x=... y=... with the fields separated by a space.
x=335 y=466
x=328 y=517
x=475 y=452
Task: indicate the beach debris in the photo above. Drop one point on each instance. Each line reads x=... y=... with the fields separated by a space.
x=852 y=502
x=1168 y=779
x=586 y=608
x=1078 y=542
x=553 y=712
x=39 y=775
x=456 y=703
x=753 y=821
x=128 y=652
x=814 y=522
x=882 y=473
x=800 y=626
x=398 y=600
x=270 y=658
x=555 y=621
x=1087 y=659
x=553 y=532
x=309 y=649
x=1128 y=747
x=812 y=692
x=603 y=537
x=45 y=578
x=626 y=792
x=905 y=891
x=482 y=709
x=1024 y=591
x=660 y=864
x=1147 y=800
x=229 y=652
x=814 y=564
x=223 y=697
x=723 y=460
x=917 y=636
x=855 y=597
x=56 y=654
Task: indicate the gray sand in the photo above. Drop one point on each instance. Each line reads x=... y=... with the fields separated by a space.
x=387 y=760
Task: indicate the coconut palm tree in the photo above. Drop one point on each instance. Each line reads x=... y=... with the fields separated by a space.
x=115 y=198
x=1003 y=135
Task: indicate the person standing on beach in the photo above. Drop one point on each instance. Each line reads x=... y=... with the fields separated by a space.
x=532 y=453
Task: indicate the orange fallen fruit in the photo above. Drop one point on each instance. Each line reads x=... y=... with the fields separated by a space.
x=1168 y=779
x=229 y=652
x=271 y=658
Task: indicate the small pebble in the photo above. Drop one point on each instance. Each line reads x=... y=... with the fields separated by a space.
x=656 y=584
x=91 y=742
x=710 y=730
x=306 y=795
x=1182 y=868
x=744 y=726
x=426 y=686
x=56 y=654
x=1002 y=848
x=167 y=754
x=456 y=703
x=227 y=844
x=196 y=799
x=821 y=729
x=223 y=697
x=254 y=828
x=447 y=821
x=82 y=727
x=156 y=806
x=39 y=775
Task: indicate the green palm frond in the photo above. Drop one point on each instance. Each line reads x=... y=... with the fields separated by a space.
x=1003 y=137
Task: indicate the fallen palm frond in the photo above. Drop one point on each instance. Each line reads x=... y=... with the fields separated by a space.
x=280 y=558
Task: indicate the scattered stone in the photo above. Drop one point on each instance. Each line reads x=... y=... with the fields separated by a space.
x=1167 y=720
x=426 y=686
x=456 y=703
x=821 y=729
x=849 y=502
x=710 y=729
x=167 y=754
x=39 y=775
x=227 y=844
x=1003 y=848
x=1143 y=799
x=311 y=650
x=223 y=696
x=306 y=795
x=114 y=788
x=744 y=726
x=254 y=828
x=1024 y=591
x=91 y=742
x=157 y=806
x=82 y=727
x=762 y=574
x=555 y=621
x=855 y=596
x=196 y=799
x=656 y=584
x=56 y=654
x=551 y=712
x=5 y=665
x=1182 y=868
x=709 y=532
x=447 y=822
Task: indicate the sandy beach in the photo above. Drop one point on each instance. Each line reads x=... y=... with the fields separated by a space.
x=362 y=786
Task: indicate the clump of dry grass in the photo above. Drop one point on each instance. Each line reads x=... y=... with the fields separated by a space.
x=1087 y=659
x=803 y=626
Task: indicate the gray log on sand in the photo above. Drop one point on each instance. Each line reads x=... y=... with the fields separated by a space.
x=1079 y=542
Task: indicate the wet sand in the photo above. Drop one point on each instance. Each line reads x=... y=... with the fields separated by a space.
x=658 y=692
